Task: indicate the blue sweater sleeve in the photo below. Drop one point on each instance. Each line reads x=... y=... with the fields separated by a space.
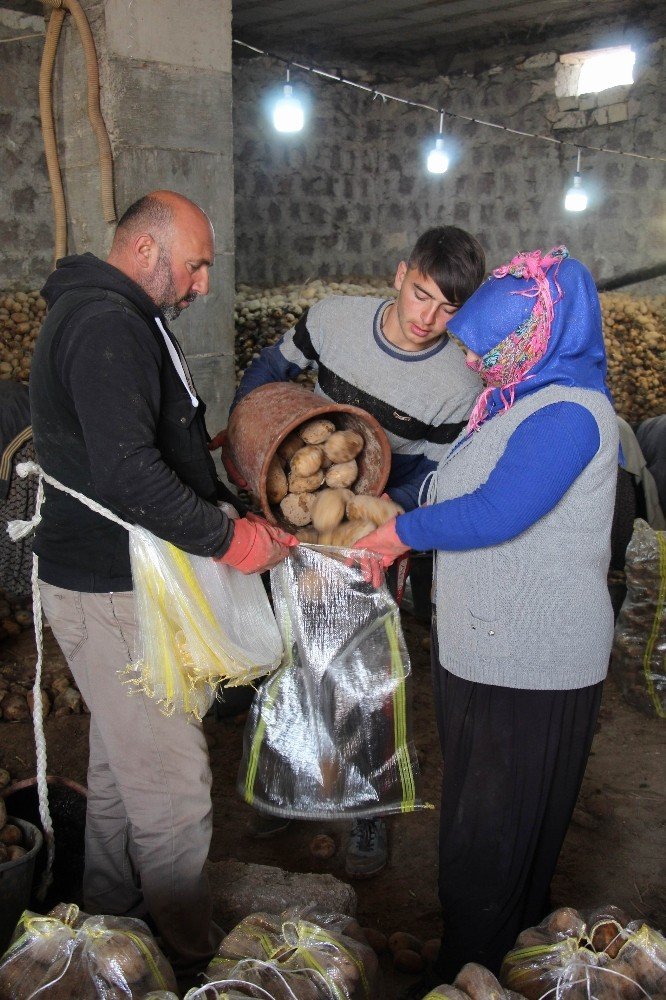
x=543 y=457
x=406 y=479
x=270 y=366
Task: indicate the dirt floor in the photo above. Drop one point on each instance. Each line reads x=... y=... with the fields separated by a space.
x=614 y=851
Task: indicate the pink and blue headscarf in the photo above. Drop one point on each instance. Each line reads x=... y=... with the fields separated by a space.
x=535 y=322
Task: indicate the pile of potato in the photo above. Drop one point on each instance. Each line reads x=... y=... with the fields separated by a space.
x=634 y=331
x=573 y=956
x=59 y=696
x=11 y=838
x=635 y=336
x=15 y=615
x=21 y=316
x=309 y=478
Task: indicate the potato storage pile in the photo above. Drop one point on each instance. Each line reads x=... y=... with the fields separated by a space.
x=309 y=479
x=635 y=335
x=634 y=331
x=21 y=315
x=262 y=315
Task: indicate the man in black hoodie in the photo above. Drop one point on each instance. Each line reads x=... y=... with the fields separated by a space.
x=116 y=417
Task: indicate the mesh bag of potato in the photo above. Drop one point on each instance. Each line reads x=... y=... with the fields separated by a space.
x=329 y=733
x=577 y=956
x=199 y=622
x=639 y=643
x=293 y=955
x=69 y=954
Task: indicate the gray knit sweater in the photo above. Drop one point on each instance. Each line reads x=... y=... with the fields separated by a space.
x=533 y=612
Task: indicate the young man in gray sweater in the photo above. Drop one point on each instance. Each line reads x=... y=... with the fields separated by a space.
x=392 y=358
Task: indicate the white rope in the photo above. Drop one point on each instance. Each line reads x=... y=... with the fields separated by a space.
x=17 y=530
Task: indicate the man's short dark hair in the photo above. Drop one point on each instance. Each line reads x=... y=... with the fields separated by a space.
x=148 y=213
x=453 y=259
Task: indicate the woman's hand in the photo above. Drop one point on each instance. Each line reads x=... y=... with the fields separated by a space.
x=385 y=546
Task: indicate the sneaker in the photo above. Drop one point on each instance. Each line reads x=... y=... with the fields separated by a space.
x=367 y=850
x=264 y=826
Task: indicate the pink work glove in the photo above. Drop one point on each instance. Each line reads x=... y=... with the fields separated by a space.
x=221 y=440
x=256 y=545
x=385 y=547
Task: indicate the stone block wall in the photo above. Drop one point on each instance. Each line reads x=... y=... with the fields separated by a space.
x=350 y=194
x=26 y=218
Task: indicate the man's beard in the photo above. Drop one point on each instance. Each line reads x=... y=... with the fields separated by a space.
x=163 y=290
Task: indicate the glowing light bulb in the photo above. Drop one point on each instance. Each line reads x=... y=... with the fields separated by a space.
x=288 y=114
x=438 y=161
x=576 y=198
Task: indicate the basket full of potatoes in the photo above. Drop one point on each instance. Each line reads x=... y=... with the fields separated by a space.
x=317 y=467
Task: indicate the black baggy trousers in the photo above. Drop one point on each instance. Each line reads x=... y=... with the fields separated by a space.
x=514 y=761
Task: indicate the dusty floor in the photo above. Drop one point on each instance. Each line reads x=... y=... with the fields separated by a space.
x=614 y=851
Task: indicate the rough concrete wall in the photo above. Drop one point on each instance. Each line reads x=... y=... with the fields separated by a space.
x=350 y=194
x=26 y=221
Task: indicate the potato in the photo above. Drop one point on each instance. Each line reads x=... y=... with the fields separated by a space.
x=297 y=508
x=276 y=482
x=15 y=851
x=11 y=834
x=68 y=702
x=306 y=460
x=377 y=941
x=329 y=508
x=430 y=949
x=407 y=960
x=317 y=431
x=3 y=813
x=606 y=935
x=305 y=484
x=400 y=940
x=343 y=474
x=3 y=853
x=322 y=846
x=377 y=509
x=346 y=533
x=15 y=707
x=445 y=992
x=5 y=777
x=308 y=534
x=342 y=446
x=565 y=922
x=478 y=983
x=291 y=444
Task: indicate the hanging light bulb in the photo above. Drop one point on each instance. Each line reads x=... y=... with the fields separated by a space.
x=288 y=114
x=576 y=198
x=438 y=161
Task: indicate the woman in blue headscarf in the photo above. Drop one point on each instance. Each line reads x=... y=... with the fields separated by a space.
x=520 y=514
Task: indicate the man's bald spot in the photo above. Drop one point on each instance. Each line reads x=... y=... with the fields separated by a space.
x=159 y=213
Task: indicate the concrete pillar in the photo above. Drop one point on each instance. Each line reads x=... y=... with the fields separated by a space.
x=165 y=74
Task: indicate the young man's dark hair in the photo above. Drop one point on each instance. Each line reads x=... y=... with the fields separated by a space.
x=453 y=259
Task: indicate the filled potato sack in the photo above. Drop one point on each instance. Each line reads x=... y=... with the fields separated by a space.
x=575 y=956
x=69 y=954
x=295 y=954
x=329 y=734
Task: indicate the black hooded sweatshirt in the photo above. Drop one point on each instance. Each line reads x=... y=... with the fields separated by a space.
x=116 y=417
